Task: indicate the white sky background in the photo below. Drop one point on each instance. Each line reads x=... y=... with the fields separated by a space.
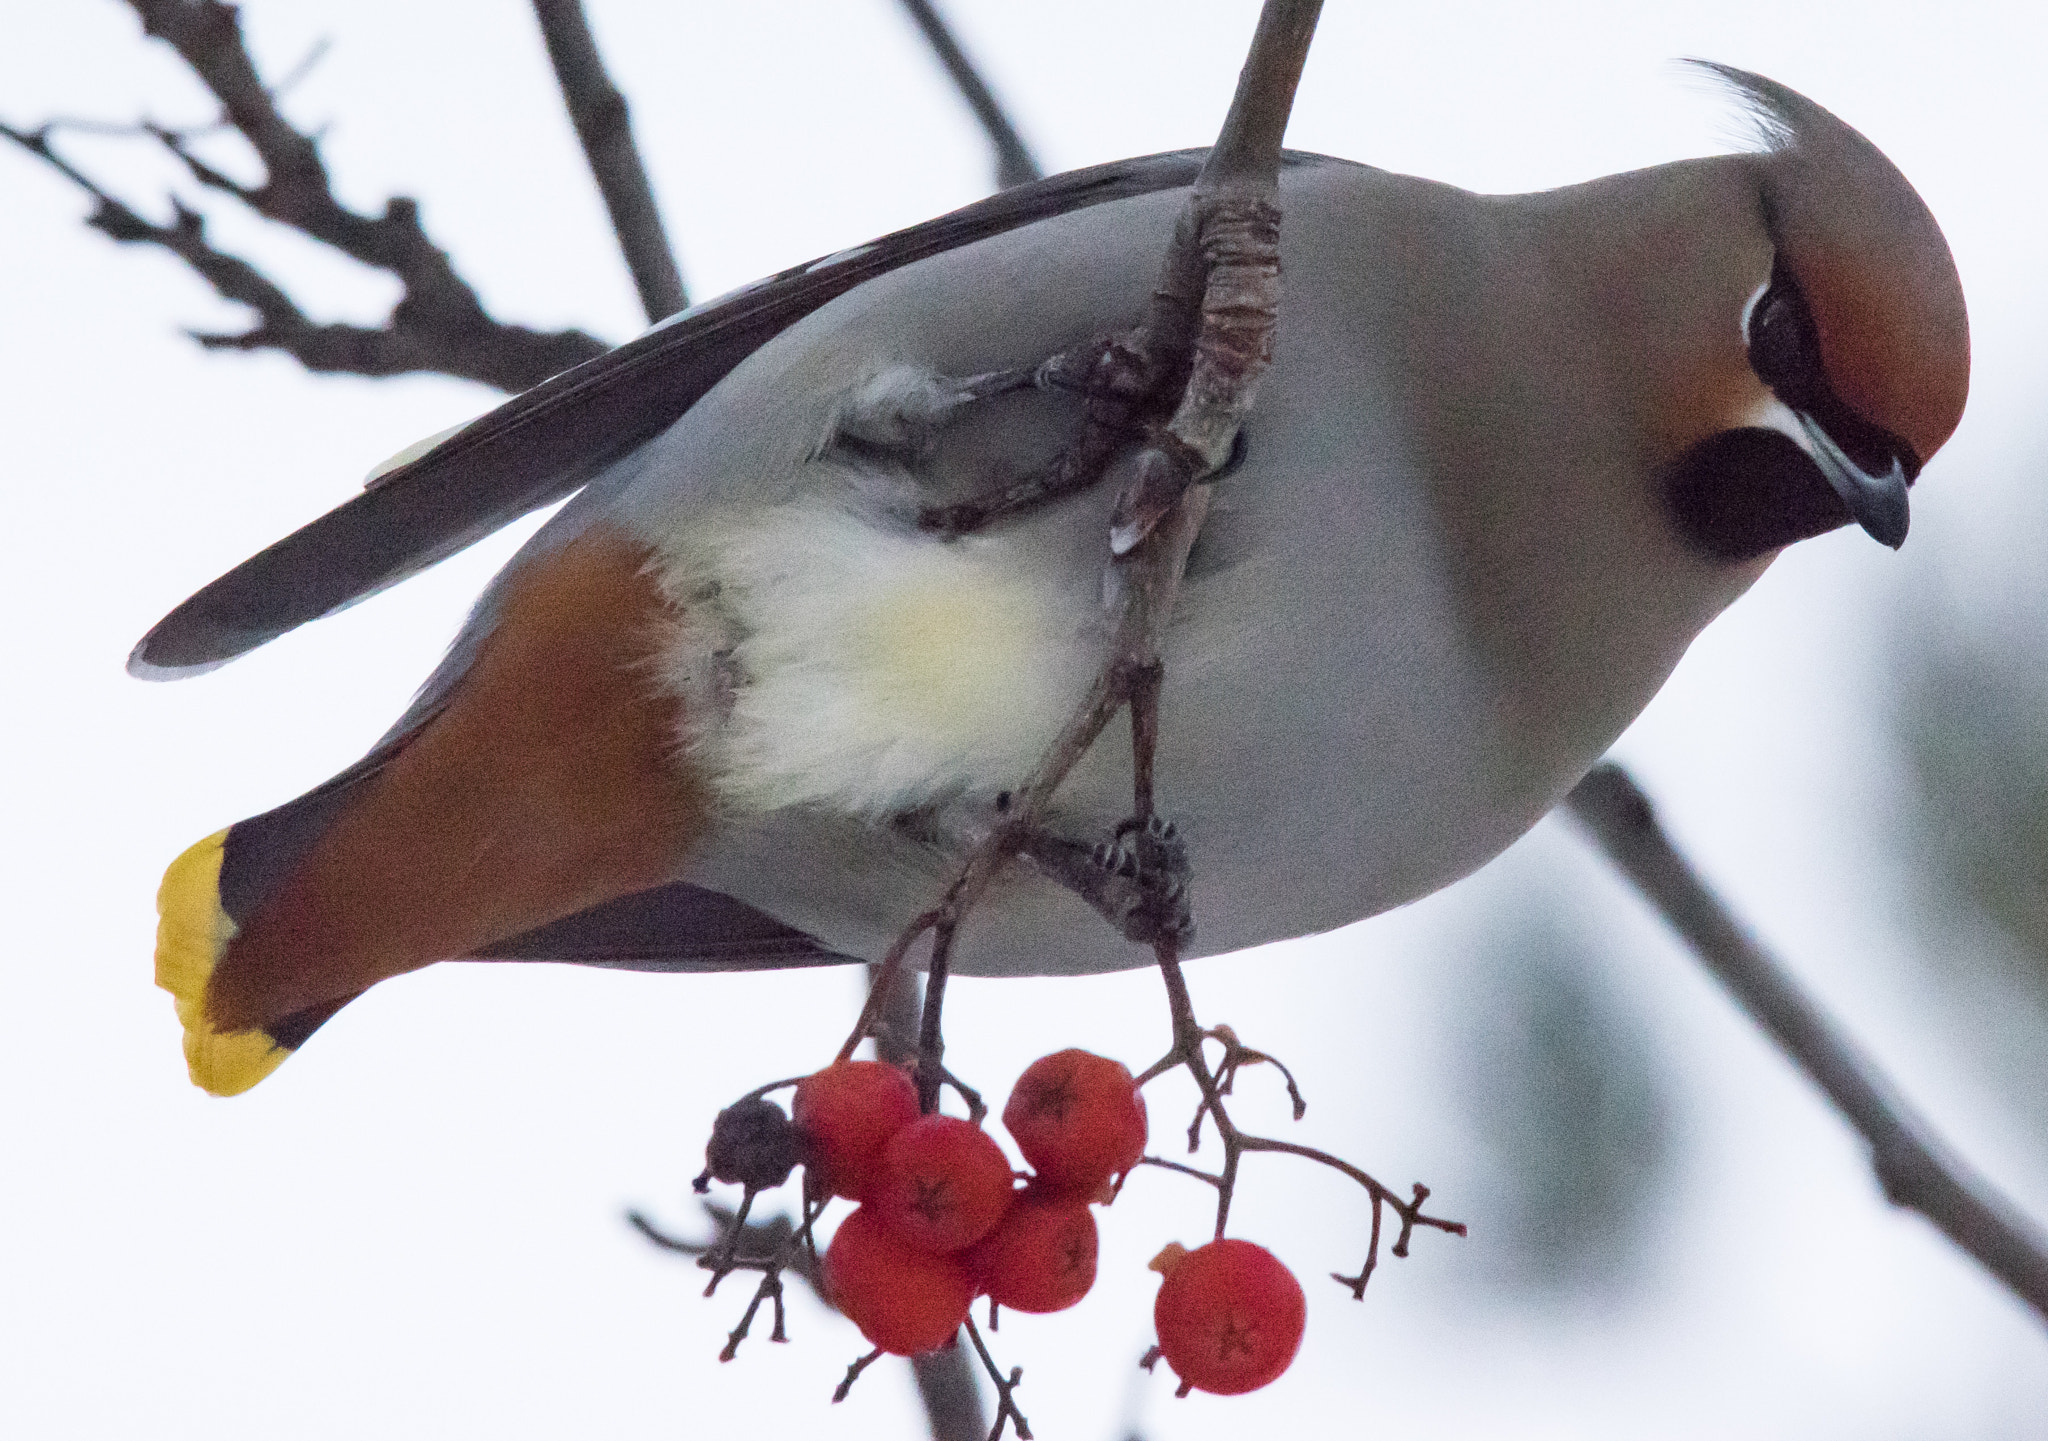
x=413 y=1229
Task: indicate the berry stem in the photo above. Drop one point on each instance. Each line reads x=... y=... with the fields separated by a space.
x=1189 y=1051
x=722 y=1261
x=853 y=1374
x=1166 y=1165
x=931 y=1041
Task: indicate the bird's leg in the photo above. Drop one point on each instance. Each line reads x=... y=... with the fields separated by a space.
x=1127 y=385
x=1137 y=880
x=899 y=411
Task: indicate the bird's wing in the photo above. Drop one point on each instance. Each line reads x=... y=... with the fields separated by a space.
x=546 y=442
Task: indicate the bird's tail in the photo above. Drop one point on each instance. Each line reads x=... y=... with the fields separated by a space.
x=207 y=894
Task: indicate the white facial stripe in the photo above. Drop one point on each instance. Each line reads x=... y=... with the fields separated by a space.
x=1771 y=413
x=1749 y=309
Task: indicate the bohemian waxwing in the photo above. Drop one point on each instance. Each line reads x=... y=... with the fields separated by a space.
x=725 y=708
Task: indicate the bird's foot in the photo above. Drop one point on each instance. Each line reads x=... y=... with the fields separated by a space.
x=1152 y=859
x=1138 y=879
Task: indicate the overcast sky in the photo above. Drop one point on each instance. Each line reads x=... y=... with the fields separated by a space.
x=413 y=1229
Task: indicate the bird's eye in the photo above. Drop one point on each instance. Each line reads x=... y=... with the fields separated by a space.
x=1784 y=347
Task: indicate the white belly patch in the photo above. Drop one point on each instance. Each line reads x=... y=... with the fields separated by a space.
x=867 y=668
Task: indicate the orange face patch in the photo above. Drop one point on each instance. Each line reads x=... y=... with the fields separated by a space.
x=1898 y=364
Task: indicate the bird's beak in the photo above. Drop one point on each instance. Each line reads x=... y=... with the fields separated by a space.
x=1878 y=502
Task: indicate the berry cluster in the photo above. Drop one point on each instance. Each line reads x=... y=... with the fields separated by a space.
x=940 y=1218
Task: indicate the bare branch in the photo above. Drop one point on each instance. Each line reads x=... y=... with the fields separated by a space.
x=438 y=324
x=605 y=128
x=1014 y=161
x=1912 y=1163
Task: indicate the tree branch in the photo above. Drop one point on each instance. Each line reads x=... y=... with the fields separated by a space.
x=438 y=324
x=1014 y=161
x=605 y=128
x=1210 y=321
x=1912 y=1162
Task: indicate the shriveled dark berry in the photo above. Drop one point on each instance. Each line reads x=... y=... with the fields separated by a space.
x=752 y=1144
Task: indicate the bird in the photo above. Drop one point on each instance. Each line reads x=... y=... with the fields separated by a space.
x=734 y=706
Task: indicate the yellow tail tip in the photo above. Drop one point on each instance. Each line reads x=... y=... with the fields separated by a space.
x=192 y=931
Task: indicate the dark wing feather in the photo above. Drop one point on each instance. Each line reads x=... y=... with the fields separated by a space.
x=670 y=928
x=540 y=445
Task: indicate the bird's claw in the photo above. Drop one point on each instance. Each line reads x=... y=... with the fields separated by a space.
x=1138 y=879
x=1149 y=899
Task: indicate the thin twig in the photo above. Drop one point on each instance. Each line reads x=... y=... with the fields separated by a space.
x=1014 y=161
x=1006 y=1389
x=757 y=1240
x=845 y=1386
x=605 y=128
x=883 y=977
x=1913 y=1164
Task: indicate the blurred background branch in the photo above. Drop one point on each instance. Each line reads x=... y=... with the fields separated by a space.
x=1568 y=1096
x=1912 y=1164
x=1971 y=718
x=1014 y=161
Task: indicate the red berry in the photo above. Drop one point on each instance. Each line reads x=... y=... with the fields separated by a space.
x=1040 y=1257
x=904 y=1300
x=943 y=1184
x=1229 y=1316
x=847 y=1113
x=1078 y=1119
